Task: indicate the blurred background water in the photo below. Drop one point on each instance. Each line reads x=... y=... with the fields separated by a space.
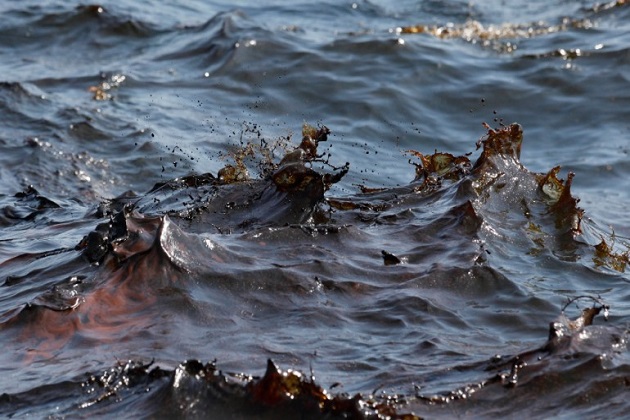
x=101 y=99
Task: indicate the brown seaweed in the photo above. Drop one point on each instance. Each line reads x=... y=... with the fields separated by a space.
x=605 y=255
x=101 y=92
x=504 y=37
x=503 y=141
x=285 y=393
x=501 y=154
x=440 y=166
x=146 y=244
x=205 y=389
x=474 y=31
x=563 y=204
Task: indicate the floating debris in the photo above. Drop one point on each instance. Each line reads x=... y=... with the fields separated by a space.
x=144 y=250
x=197 y=389
x=390 y=259
x=101 y=92
x=504 y=37
x=606 y=256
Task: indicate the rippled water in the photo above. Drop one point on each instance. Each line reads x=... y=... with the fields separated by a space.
x=418 y=282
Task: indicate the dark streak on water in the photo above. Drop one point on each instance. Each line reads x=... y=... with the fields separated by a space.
x=432 y=284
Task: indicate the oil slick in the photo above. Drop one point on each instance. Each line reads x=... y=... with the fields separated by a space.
x=143 y=252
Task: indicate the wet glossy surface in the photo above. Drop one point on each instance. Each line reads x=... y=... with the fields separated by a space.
x=155 y=207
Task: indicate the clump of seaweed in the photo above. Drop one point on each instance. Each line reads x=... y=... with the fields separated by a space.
x=258 y=154
x=433 y=168
x=292 y=175
x=606 y=256
x=562 y=203
x=502 y=37
x=600 y=7
x=263 y=156
x=203 y=385
x=101 y=92
x=505 y=141
x=586 y=315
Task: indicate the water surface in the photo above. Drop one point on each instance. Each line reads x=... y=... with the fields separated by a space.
x=411 y=284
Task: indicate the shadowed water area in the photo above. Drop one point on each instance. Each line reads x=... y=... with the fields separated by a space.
x=366 y=210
